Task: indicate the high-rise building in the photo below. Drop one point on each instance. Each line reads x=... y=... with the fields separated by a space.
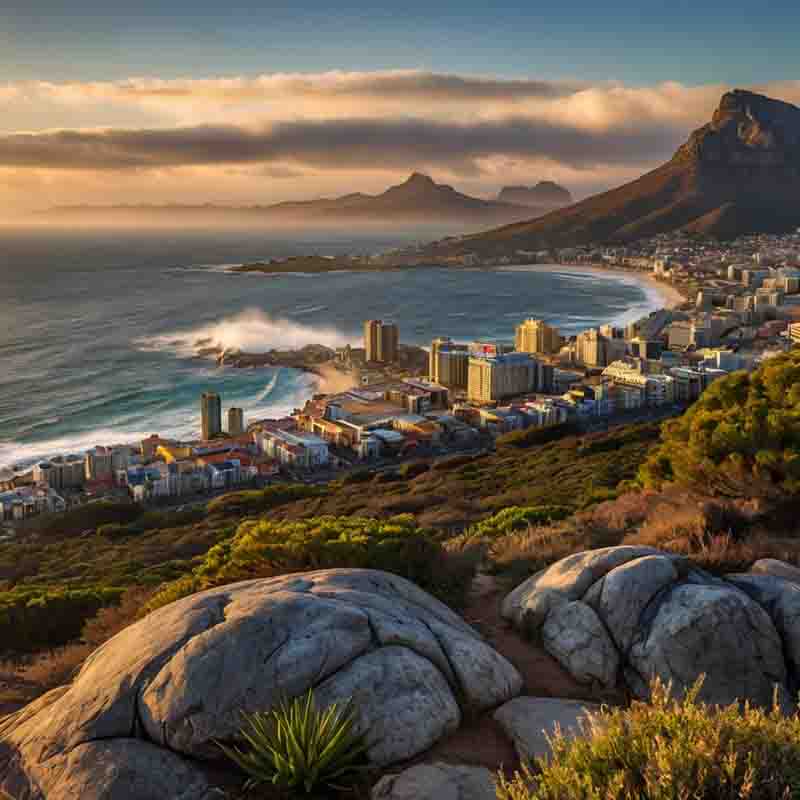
x=536 y=336
x=593 y=349
x=494 y=379
x=449 y=363
x=211 y=415
x=381 y=340
x=98 y=464
x=235 y=421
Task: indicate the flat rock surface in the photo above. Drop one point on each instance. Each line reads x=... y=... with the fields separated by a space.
x=531 y=721
x=182 y=676
x=437 y=781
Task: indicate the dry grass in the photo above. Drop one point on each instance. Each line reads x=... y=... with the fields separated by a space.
x=25 y=680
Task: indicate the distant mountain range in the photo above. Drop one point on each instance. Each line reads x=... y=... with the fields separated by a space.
x=418 y=199
x=738 y=174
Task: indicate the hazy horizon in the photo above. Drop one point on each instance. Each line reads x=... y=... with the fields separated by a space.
x=110 y=106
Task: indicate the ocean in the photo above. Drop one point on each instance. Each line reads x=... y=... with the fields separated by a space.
x=98 y=334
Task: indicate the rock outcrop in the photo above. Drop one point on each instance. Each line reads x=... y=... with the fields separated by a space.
x=530 y=722
x=437 y=781
x=624 y=615
x=158 y=696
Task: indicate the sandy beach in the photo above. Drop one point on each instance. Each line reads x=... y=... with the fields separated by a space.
x=672 y=297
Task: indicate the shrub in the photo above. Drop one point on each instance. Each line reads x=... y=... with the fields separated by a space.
x=413 y=469
x=32 y=618
x=669 y=748
x=740 y=439
x=81 y=518
x=299 y=747
x=357 y=476
x=531 y=437
x=263 y=548
x=258 y=501
x=516 y=518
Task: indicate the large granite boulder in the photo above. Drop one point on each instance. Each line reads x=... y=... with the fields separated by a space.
x=776 y=568
x=655 y=615
x=175 y=683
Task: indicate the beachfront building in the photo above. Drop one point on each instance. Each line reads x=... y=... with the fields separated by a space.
x=496 y=378
x=381 y=341
x=536 y=336
x=210 y=415
x=449 y=363
x=235 y=422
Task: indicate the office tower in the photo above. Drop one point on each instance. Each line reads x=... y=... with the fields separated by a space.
x=536 y=336
x=211 y=415
x=235 y=421
x=494 y=379
x=381 y=341
x=372 y=334
x=449 y=363
x=98 y=464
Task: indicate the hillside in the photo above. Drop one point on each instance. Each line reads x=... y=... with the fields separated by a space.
x=418 y=199
x=738 y=174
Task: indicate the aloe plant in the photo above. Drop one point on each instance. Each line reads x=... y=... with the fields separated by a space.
x=299 y=746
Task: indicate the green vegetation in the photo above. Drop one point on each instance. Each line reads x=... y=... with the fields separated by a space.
x=267 y=547
x=740 y=439
x=668 y=750
x=515 y=518
x=32 y=618
x=300 y=747
x=259 y=501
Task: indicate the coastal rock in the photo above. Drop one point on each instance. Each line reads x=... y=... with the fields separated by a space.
x=577 y=638
x=655 y=615
x=716 y=631
x=568 y=579
x=182 y=676
x=780 y=569
x=437 y=781
x=530 y=722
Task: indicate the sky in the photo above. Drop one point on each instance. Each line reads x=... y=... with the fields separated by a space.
x=255 y=102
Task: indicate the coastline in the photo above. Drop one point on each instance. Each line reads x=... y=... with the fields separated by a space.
x=670 y=294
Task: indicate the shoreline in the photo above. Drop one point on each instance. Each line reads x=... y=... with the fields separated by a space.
x=321 y=378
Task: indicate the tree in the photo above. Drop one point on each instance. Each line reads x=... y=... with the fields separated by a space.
x=740 y=439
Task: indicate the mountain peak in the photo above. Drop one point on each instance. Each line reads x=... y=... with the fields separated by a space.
x=747 y=129
x=419 y=179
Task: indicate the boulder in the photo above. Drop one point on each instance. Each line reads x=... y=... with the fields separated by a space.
x=624 y=593
x=653 y=613
x=716 y=631
x=781 y=600
x=577 y=638
x=568 y=579
x=181 y=677
x=780 y=569
x=530 y=722
x=437 y=781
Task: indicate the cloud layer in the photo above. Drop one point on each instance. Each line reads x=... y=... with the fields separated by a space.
x=303 y=130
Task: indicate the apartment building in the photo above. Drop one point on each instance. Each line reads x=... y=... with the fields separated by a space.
x=494 y=379
x=381 y=341
x=210 y=415
x=536 y=336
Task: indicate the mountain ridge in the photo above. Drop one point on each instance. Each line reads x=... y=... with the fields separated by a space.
x=738 y=174
x=418 y=197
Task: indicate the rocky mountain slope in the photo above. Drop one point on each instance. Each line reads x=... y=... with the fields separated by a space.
x=738 y=174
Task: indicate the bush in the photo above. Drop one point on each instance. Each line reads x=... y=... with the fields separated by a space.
x=668 y=749
x=516 y=518
x=412 y=470
x=263 y=548
x=258 y=501
x=34 y=618
x=531 y=437
x=81 y=518
x=357 y=476
x=299 y=747
x=740 y=439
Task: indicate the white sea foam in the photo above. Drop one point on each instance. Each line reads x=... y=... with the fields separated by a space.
x=251 y=331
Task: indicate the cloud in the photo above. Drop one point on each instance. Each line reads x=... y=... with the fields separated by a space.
x=306 y=130
x=336 y=144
